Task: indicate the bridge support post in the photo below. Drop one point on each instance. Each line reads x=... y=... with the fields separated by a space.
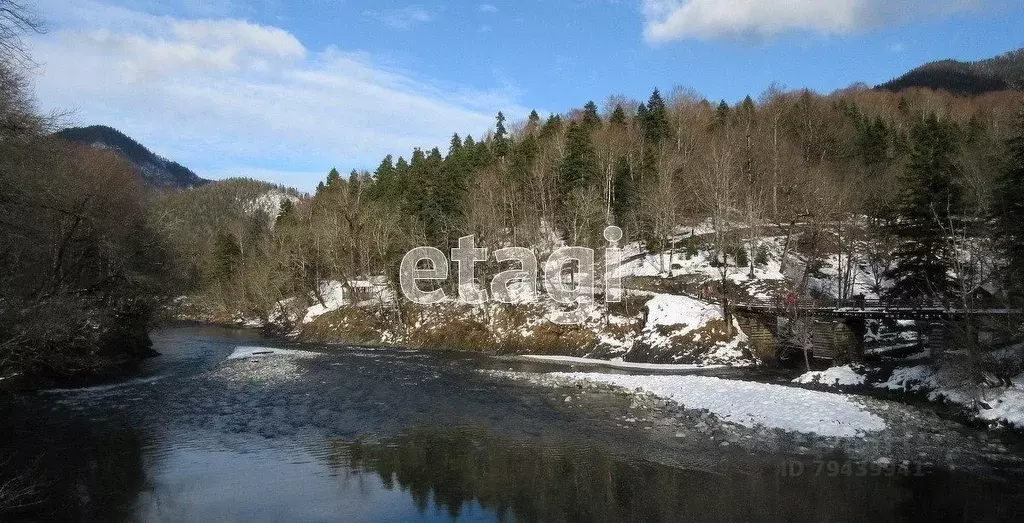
x=761 y=335
x=940 y=338
x=849 y=340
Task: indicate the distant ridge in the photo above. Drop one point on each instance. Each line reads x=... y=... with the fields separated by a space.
x=1004 y=72
x=156 y=171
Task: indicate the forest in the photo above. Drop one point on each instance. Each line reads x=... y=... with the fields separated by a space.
x=922 y=186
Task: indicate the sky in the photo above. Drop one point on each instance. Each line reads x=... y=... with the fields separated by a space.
x=284 y=90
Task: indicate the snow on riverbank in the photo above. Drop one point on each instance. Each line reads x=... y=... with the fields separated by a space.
x=680 y=328
x=996 y=404
x=845 y=376
x=745 y=403
x=949 y=382
x=619 y=364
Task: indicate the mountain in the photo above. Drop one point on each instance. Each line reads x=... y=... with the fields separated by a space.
x=966 y=78
x=156 y=171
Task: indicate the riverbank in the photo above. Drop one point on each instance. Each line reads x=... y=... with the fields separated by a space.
x=645 y=328
x=650 y=332
x=995 y=402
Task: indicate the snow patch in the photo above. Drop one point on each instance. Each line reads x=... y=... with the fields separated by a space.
x=668 y=310
x=619 y=364
x=751 y=404
x=241 y=353
x=845 y=376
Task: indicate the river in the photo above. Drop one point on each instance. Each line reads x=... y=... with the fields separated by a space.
x=363 y=434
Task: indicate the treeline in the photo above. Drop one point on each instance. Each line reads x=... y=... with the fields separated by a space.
x=83 y=269
x=917 y=185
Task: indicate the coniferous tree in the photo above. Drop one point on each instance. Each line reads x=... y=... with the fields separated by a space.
x=455 y=145
x=722 y=114
x=929 y=212
x=552 y=126
x=226 y=256
x=1010 y=210
x=579 y=167
x=532 y=123
x=618 y=116
x=591 y=120
x=333 y=178
x=655 y=120
x=501 y=144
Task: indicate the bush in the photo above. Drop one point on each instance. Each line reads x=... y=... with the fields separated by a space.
x=762 y=256
x=742 y=260
x=691 y=247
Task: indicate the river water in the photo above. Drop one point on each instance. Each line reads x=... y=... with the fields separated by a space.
x=360 y=434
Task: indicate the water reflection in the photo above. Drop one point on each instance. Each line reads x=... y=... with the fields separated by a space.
x=455 y=469
x=395 y=436
x=78 y=470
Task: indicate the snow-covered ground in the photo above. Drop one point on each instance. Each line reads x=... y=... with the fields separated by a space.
x=945 y=382
x=617 y=363
x=993 y=404
x=336 y=295
x=844 y=376
x=684 y=328
x=744 y=403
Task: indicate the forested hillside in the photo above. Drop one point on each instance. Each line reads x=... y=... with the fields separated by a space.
x=155 y=171
x=919 y=185
x=918 y=188
x=965 y=78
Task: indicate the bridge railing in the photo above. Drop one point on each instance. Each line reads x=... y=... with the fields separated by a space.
x=811 y=304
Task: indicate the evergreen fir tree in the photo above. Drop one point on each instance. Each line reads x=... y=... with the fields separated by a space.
x=579 y=167
x=591 y=120
x=655 y=121
x=333 y=178
x=551 y=126
x=930 y=206
x=618 y=117
x=524 y=154
x=455 y=145
x=533 y=123
x=226 y=256
x=501 y=145
x=286 y=214
x=722 y=114
x=1009 y=207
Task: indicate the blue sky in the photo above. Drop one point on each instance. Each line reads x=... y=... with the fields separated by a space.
x=285 y=90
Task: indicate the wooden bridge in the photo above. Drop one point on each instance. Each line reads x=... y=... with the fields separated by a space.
x=869 y=309
x=835 y=329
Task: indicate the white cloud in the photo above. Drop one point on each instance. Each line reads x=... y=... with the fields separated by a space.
x=401 y=18
x=488 y=8
x=227 y=96
x=667 y=20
